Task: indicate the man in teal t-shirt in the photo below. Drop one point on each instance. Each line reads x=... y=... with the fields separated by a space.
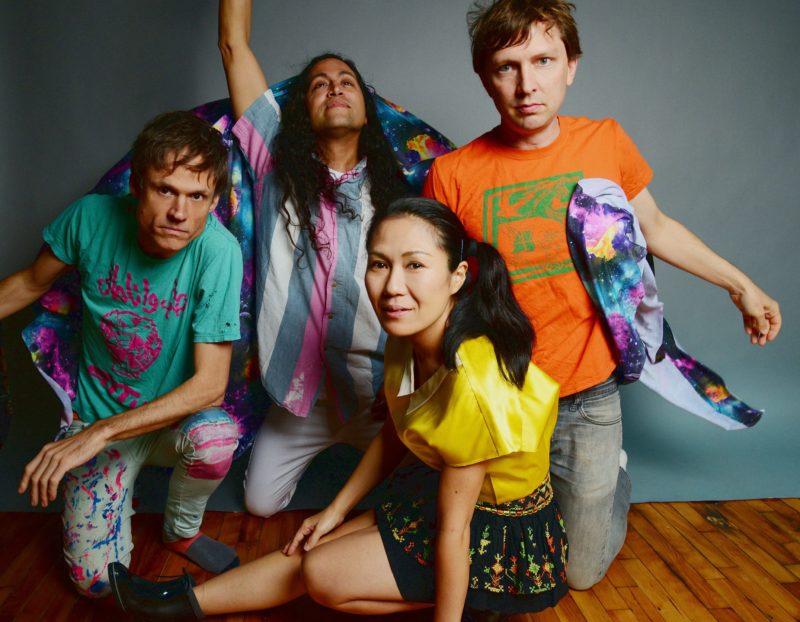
x=160 y=286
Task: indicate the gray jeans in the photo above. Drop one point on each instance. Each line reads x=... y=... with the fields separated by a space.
x=592 y=491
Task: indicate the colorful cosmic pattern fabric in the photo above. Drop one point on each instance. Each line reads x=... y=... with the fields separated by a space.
x=53 y=337
x=609 y=252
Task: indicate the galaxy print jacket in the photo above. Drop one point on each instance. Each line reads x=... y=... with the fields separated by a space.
x=609 y=252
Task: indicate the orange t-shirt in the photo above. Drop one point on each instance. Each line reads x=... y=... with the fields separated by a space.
x=517 y=201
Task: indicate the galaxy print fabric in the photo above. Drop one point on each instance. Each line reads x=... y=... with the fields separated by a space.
x=609 y=252
x=53 y=337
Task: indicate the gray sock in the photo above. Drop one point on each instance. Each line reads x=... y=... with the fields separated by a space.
x=209 y=554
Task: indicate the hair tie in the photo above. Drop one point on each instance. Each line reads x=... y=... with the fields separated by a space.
x=469 y=253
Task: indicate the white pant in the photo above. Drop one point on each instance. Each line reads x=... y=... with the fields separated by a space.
x=286 y=444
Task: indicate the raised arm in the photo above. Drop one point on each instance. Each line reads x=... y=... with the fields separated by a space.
x=26 y=286
x=459 y=488
x=671 y=241
x=204 y=389
x=246 y=81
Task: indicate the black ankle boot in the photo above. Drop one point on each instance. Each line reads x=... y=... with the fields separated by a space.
x=148 y=602
x=163 y=589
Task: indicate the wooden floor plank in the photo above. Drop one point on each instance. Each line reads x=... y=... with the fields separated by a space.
x=759 y=505
x=726 y=561
x=756 y=553
x=675 y=547
x=609 y=597
x=675 y=586
x=568 y=611
x=696 y=536
x=618 y=576
x=761 y=531
x=590 y=606
x=640 y=605
x=738 y=600
x=651 y=588
x=680 y=560
x=789 y=528
x=725 y=615
x=779 y=506
x=695 y=518
x=757 y=585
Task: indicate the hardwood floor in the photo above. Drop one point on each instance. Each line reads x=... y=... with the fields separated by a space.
x=727 y=561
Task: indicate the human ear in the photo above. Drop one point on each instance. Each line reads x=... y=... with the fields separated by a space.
x=458 y=277
x=572 y=68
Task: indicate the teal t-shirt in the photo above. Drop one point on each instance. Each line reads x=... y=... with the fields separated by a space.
x=142 y=315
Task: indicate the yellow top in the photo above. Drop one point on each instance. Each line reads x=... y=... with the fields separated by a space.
x=472 y=414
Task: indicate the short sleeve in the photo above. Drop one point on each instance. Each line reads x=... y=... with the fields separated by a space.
x=256 y=129
x=63 y=235
x=216 y=317
x=488 y=416
x=635 y=172
x=434 y=187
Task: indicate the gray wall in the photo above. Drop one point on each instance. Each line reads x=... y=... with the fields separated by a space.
x=708 y=90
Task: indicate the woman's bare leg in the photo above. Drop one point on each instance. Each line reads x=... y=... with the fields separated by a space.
x=351 y=573
x=265 y=582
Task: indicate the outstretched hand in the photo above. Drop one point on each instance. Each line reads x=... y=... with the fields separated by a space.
x=44 y=473
x=312 y=529
x=761 y=314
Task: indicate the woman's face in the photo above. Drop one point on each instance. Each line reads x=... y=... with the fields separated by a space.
x=408 y=280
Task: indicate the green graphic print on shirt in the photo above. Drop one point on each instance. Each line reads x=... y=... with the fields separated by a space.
x=526 y=223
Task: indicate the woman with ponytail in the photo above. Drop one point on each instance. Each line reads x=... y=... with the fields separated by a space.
x=469 y=527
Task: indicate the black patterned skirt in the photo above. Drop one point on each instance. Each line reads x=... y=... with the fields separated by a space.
x=518 y=550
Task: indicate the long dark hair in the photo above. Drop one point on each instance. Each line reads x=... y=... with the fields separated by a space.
x=485 y=304
x=304 y=178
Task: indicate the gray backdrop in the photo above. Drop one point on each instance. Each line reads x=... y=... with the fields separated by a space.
x=708 y=91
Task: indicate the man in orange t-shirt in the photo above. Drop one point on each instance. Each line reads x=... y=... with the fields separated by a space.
x=511 y=187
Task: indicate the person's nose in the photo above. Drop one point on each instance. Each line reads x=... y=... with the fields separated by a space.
x=395 y=282
x=179 y=208
x=526 y=80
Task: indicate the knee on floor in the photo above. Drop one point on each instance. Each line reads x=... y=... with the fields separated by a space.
x=257 y=505
x=266 y=497
x=584 y=577
x=89 y=582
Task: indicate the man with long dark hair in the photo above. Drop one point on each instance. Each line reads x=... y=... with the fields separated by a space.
x=511 y=186
x=321 y=168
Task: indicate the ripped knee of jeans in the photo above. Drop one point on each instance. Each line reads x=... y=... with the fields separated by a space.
x=208 y=442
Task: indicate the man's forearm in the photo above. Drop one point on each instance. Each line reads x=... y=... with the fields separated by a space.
x=671 y=241
x=25 y=287
x=188 y=398
x=678 y=246
x=245 y=78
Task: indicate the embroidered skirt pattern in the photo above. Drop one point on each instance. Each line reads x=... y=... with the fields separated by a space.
x=518 y=550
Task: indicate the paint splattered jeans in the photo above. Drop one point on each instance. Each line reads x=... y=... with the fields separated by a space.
x=97 y=495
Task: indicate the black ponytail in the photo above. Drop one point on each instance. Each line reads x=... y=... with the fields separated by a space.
x=485 y=304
